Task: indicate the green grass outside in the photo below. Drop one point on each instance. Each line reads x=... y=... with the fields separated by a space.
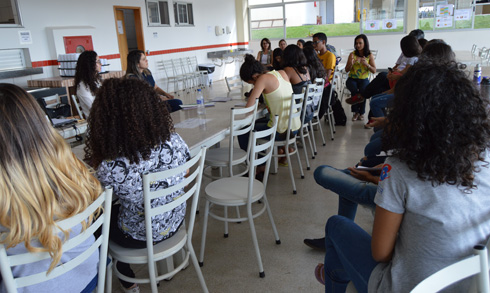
x=352 y=29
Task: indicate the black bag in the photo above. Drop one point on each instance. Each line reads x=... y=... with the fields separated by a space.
x=325 y=97
x=339 y=114
x=59 y=111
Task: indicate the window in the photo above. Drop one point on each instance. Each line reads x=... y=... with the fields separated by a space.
x=9 y=14
x=277 y=19
x=11 y=59
x=435 y=15
x=157 y=13
x=183 y=13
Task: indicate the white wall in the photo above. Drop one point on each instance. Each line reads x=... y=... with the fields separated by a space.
x=42 y=17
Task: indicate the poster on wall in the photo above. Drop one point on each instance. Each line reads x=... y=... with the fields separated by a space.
x=389 y=24
x=372 y=25
x=445 y=10
x=462 y=14
x=25 y=37
x=442 y=22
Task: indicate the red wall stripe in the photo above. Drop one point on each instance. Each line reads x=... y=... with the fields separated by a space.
x=152 y=53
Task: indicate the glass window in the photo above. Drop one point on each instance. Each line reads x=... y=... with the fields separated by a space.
x=157 y=13
x=262 y=2
x=9 y=13
x=183 y=13
x=382 y=16
x=12 y=59
x=453 y=14
x=482 y=15
x=267 y=23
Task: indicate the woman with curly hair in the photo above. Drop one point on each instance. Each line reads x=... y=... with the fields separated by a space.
x=42 y=182
x=138 y=68
x=87 y=79
x=131 y=132
x=433 y=197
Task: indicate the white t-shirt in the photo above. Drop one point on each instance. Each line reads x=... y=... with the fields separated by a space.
x=86 y=97
x=404 y=61
x=440 y=225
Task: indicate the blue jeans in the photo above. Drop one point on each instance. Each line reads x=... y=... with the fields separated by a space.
x=356 y=86
x=174 y=105
x=378 y=102
x=373 y=147
x=348 y=255
x=351 y=191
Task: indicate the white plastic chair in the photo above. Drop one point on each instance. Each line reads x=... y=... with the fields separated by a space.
x=170 y=75
x=243 y=191
x=7 y=261
x=179 y=70
x=242 y=121
x=234 y=85
x=331 y=120
x=305 y=129
x=317 y=101
x=473 y=49
x=182 y=239
x=476 y=265
x=76 y=102
x=194 y=67
x=294 y=112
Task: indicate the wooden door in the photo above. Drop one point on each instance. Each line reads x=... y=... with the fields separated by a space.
x=121 y=37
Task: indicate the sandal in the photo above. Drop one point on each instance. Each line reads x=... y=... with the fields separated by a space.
x=320 y=273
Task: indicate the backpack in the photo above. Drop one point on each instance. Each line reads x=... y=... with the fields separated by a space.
x=334 y=51
x=339 y=114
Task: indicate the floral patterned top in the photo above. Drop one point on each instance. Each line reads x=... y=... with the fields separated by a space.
x=127 y=182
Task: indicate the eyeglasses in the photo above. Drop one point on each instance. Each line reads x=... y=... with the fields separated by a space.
x=316 y=42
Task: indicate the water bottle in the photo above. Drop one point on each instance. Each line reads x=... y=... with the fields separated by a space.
x=485 y=88
x=477 y=74
x=200 y=103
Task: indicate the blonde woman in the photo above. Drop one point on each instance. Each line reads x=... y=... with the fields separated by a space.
x=41 y=182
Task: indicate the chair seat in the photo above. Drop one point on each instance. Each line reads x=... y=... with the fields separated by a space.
x=232 y=191
x=161 y=250
x=219 y=156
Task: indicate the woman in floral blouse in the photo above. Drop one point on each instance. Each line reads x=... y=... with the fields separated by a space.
x=131 y=132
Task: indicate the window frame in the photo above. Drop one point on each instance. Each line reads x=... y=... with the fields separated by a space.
x=189 y=13
x=19 y=16
x=167 y=16
x=283 y=4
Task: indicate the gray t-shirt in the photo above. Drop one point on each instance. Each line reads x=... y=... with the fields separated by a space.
x=404 y=61
x=440 y=225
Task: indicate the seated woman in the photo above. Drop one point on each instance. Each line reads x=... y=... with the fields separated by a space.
x=433 y=200
x=300 y=43
x=276 y=63
x=359 y=64
x=265 y=55
x=42 y=182
x=138 y=68
x=277 y=91
x=87 y=79
x=131 y=132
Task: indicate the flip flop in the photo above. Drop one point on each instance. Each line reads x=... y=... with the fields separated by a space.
x=320 y=273
x=283 y=164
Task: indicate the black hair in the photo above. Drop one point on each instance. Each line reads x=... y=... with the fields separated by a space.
x=417 y=33
x=294 y=57
x=267 y=41
x=277 y=53
x=314 y=64
x=301 y=41
x=133 y=60
x=439 y=125
x=410 y=46
x=250 y=67
x=366 y=52
x=86 y=71
x=308 y=44
x=321 y=37
x=438 y=50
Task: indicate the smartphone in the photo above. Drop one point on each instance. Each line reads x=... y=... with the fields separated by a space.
x=370 y=169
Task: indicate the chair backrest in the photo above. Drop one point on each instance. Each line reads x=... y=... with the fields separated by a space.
x=233 y=82
x=52 y=100
x=317 y=97
x=374 y=53
x=295 y=111
x=192 y=184
x=178 y=66
x=307 y=101
x=76 y=102
x=345 y=52
x=473 y=49
x=334 y=84
x=168 y=68
x=242 y=121
x=476 y=265
x=101 y=243
x=263 y=144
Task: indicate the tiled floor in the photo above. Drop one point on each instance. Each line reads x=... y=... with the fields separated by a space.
x=230 y=264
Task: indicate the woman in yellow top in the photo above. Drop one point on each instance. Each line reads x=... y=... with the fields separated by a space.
x=359 y=64
x=277 y=91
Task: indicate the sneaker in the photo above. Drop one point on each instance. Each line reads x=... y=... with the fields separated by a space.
x=366 y=126
x=133 y=289
x=355 y=116
x=355 y=99
x=361 y=118
x=318 y=244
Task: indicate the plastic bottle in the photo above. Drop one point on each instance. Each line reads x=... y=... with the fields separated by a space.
x=200 y=103
x=485 y=88
x=477 y=74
